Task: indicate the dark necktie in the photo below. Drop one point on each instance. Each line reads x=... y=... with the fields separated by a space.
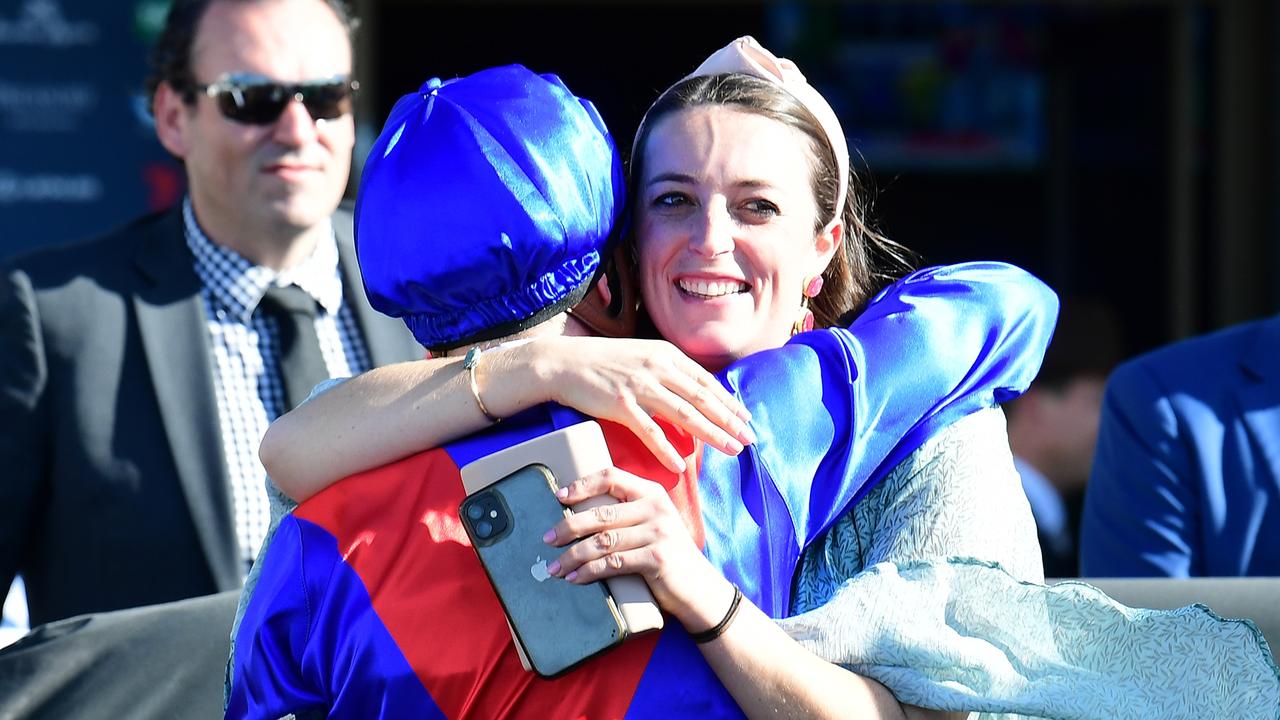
x=301 y=362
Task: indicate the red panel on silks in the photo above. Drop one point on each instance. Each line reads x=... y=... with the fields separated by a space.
x=372 y=603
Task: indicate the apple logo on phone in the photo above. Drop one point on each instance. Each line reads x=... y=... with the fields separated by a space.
x=539 y=570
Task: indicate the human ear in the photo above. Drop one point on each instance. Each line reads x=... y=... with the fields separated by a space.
x=171 y=116
x=602 y=287
x=826 y=243
x=610 y=307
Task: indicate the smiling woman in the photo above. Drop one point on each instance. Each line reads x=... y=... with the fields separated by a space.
x=737 y=219
x=854 y=481
x=784 y=155
x=742 y=203
x=725 y=230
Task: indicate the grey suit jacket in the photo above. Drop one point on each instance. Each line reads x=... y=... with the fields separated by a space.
x=113 y=489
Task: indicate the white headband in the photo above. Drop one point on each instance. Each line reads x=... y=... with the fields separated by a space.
x=748 y=57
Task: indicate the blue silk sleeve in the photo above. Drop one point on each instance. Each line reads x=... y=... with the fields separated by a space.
x=267 y=678
x=311 y=643
x=835 y=410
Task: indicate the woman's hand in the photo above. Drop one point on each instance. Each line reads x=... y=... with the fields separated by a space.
x=643 y=534
x=631 y=381
x=767 y=672
x=394 y=411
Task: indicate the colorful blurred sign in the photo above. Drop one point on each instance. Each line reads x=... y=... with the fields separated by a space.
x=78 y=154
x=925 y=86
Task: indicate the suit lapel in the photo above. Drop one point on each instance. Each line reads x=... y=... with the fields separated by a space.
x=1258 y=392
x=174 y=337
x=387 y=340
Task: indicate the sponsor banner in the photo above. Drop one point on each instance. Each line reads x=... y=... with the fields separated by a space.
x=78 y=154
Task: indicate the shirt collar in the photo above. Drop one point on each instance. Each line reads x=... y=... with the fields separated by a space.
x=236 y=284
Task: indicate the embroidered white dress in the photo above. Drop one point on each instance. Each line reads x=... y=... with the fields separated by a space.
x=932 y=586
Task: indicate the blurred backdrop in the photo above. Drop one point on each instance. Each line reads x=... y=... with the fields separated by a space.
x=1122 y=150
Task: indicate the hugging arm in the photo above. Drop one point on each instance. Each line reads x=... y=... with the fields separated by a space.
x=395 y=411
x=965 y=337
x=935 y=347
x=977 y=327
x=836 y=411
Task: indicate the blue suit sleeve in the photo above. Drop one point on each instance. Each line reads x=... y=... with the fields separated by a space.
x=1140 y=513
x=835 y=410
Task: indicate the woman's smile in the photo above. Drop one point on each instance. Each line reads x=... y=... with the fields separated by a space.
x=705 y=289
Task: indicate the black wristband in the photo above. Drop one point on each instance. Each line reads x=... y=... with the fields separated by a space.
x=707 y=636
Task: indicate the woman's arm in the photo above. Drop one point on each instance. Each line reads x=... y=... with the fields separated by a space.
x=974 y=332
x=395 y=411
x=768 y=673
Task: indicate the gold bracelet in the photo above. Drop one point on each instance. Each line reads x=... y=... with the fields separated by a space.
x=712 y=633
x=469 y=363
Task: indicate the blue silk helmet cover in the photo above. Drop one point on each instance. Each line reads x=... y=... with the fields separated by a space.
x=485 y=205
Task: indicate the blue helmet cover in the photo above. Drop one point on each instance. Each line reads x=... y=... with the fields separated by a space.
x=486 y=201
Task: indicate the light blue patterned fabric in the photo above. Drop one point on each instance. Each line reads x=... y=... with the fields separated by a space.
x=958 y=494
x=911 y=589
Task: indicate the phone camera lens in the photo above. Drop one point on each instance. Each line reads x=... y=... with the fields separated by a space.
x=474 y=511
x=484 y=529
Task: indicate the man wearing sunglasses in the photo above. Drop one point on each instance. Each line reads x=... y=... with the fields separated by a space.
x=139 y=371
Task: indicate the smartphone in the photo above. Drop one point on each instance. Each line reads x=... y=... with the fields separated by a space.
x=569 y=453
x=558 y=624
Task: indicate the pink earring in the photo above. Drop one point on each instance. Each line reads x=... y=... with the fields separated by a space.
x=805 y=321
x=813 y=287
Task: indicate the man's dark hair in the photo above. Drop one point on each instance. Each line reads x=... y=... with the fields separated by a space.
x=170 y=60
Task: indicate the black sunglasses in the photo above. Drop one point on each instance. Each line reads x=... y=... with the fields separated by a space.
x=258 y=100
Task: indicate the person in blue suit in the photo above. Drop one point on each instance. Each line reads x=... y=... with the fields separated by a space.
x=1186 y=476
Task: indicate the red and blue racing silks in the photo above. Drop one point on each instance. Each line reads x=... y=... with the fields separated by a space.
x=371 y=602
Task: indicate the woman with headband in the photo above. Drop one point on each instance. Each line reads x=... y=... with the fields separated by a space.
x=726 y=232
x=470 y=200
